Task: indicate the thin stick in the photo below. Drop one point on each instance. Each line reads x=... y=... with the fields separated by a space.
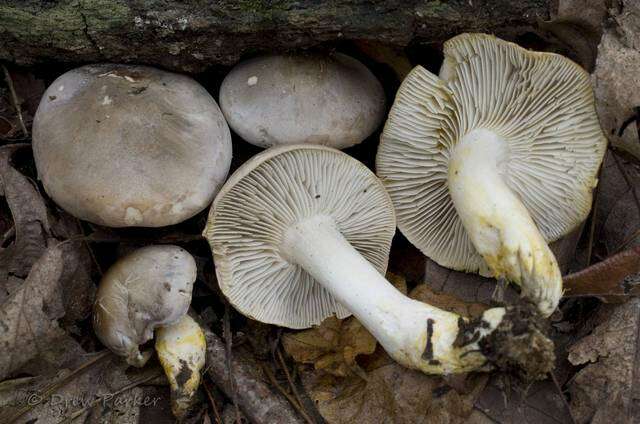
x=294 y=390
x=14 y=99
x=564 y=400
x=58 y=384
x=228 y=340
x=212 y=401
x=592 y=227
x=291 y=400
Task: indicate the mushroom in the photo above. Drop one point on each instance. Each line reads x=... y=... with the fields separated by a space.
x=492 y=160
x=122 y=145
x=332 y=100
x=145 y=289
x=181 y=348
x=301 y=232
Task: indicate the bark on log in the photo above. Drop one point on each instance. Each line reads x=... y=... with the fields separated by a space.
x=193 y=35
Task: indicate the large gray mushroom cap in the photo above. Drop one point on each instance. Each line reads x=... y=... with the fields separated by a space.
x=147 y=288
x=130 y=145
x=273 y=100
x=540 y=104
x=271 y=193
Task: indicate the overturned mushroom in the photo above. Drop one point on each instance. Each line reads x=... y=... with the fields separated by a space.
x=181 y=348
x=332 y=100
x=148 y=288
x=299 y=233
x=130 y=145
x=493 y=159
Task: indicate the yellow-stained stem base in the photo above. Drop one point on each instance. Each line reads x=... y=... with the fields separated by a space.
x=181 y=349
x=497 y=222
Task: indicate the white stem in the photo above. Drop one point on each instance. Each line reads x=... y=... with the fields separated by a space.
x=497 y=222
x=415 y=334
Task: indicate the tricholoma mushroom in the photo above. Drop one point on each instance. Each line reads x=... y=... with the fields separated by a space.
x=301 y=232
x=332 y=100
x=130 y=145
x=147 y=290
x=494 y=158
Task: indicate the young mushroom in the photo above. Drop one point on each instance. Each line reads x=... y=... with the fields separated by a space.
x=301 y=232
x=145 y=289
x=493 y=159
x=122 y=145
x=332 y=100
x=181 y=348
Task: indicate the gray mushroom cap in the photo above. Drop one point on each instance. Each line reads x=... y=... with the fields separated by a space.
x=268 y=195
x=273 y=100
x=145 y=289
x=130 y=145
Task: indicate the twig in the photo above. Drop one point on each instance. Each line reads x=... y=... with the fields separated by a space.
x=14 y=99
x=58 y=384
x=214 y=407
x=294 y=390
x=592 y=226
x=291 y=400
x=228 y=341
x=564 y=400
x=126 y=388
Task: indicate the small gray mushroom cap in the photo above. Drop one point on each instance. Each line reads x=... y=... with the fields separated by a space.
x=274 y=100
x=143 y=290
x=268 y=195
x=125 y=145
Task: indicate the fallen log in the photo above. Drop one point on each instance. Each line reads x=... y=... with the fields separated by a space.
x=192 y=35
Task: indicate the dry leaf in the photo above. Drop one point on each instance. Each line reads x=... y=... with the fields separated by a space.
x=92 y=394
x=30 y=220
x=390 y=394
x=617 y=76
x=607 y=388
x=612 y=280
x=28 y=317
x=334 y=345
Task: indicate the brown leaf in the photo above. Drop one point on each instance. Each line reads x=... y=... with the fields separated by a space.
x=29 y=316
x=606 y=389
x=617 y=76
x=30 y=220
x=424 y=293
x=612 y=280
x=390 y=394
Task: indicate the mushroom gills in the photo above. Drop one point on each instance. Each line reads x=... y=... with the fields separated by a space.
x=498 y=223
x=415 y=334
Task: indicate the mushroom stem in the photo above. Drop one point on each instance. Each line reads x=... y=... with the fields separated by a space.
x=415 y=334
x=498 y=223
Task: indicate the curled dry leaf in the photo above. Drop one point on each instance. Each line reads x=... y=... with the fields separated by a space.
x=606 y=389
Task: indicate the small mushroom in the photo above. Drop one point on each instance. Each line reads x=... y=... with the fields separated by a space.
x=302 y=232
x=126 y=146
x=145 y=289
x=492 y=160
x=181 y=348
x=332 y=100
